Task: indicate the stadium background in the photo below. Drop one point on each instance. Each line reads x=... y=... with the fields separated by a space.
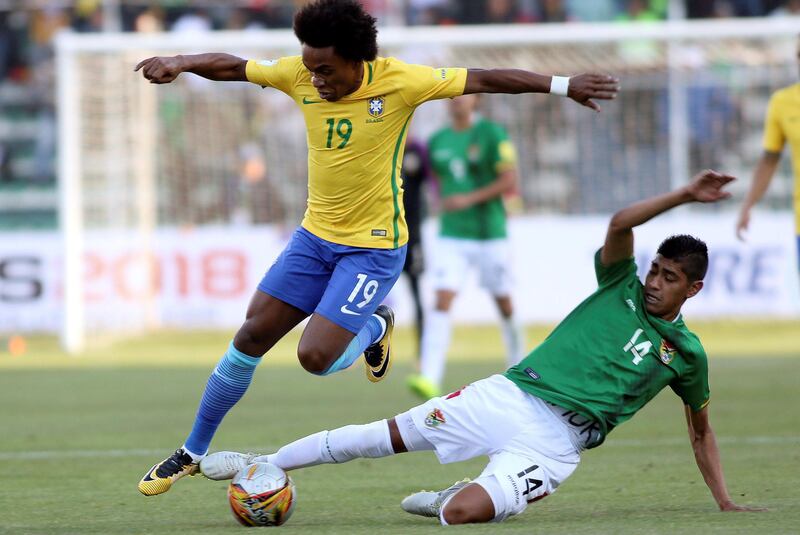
x=188 y=191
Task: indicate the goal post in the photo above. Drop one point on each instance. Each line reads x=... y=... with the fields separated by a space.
x=137 y=161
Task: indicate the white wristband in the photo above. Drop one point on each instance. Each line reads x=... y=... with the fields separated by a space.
x=559 y=85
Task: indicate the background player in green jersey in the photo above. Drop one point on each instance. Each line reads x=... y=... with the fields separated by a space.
x=475 y=164
x=610 y=356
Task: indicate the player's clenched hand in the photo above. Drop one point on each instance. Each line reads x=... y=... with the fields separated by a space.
x=708 y=186
x=161 y=69
x=585 y=87
x=732 y=507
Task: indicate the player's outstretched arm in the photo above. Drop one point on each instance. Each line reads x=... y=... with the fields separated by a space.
x=581 y=88
x=761 y=179
x=214 y=66
x=707 y=186
x=706 y=453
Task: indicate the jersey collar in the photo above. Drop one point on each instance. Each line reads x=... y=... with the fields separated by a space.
x=366 y=79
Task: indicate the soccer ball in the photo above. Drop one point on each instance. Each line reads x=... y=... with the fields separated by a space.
x=262 y=494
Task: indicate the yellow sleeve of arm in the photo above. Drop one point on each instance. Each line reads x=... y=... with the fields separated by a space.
x=430 y=83
x=774 y=137
x=278 y=73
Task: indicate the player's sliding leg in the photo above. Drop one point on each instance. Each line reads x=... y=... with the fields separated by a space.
x=505 y=488
x=268 y=319
x=373 y=440
x=464 y=502
x=429 y=502
x=513 y=333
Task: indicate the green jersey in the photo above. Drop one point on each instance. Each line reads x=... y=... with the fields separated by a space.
x=608 y=357
x=466 y=160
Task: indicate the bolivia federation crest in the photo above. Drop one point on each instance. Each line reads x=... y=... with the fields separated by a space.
x=435 y=418
x=376 y=106
x=666 y=352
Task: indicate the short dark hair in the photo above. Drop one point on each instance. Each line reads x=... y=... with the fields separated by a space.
x=342 y=24
x=689 y=252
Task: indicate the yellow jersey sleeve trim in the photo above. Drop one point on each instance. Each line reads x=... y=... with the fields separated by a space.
x=425 y=83
x=507 y=154
x=279 y=73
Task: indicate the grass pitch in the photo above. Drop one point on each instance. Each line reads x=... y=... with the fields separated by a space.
x=76 y=434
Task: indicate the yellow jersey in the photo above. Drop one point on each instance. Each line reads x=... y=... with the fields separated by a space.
x=781 y=125
x=355 y=145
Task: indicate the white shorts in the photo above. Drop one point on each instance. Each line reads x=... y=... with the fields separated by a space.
x=453 y=257
x=530 y=450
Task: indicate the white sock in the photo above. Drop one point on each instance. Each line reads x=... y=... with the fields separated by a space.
x=441 y=510
x=442 y=521
x=514 y=339
x=307 y=451
x=356 y=441
x=337 y=446
x=435 y=341
x=383 y=325
x=196 y=457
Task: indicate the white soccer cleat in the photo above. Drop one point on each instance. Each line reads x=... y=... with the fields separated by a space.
x=226 y=464
x=428 y=502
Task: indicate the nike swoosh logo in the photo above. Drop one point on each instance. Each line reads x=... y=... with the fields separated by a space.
x=346 y=310
x=149 y=476
x=380 y=373
x=307 y=101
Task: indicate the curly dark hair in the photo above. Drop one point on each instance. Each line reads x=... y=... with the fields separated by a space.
x=689 y=252
x=342 y=24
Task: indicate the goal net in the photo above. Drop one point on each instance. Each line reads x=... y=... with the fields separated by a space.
x=144 y=169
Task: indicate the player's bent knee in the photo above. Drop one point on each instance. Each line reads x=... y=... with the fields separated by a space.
x=470 y=505
x=455 y=514
x=249 y=343
x=313 y=360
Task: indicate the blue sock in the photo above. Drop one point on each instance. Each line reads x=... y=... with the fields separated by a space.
x=226 y=386
x=365 y=337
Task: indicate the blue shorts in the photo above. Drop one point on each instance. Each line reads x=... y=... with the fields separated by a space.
x=342 y=283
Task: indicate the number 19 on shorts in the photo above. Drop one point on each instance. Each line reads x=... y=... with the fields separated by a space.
x=363 y=292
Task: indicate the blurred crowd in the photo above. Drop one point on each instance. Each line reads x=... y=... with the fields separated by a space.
x=27 y=29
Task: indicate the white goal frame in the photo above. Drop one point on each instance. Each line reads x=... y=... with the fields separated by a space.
x=70 y=45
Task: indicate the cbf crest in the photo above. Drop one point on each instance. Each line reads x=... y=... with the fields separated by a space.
x=667 y=352
x=376 y=106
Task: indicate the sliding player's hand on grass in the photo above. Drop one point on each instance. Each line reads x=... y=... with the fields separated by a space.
x=732 y=507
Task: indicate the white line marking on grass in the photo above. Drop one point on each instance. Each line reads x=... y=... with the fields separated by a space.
x=49 y=455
